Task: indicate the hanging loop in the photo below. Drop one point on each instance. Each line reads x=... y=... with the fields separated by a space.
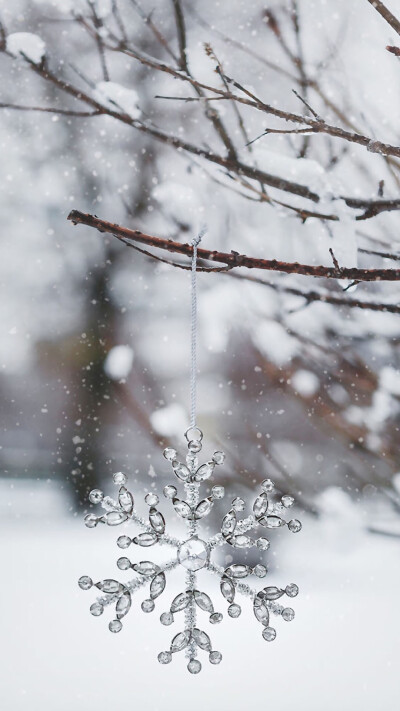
x=194 y=434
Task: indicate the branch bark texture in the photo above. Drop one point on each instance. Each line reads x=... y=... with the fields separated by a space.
x=233 y=259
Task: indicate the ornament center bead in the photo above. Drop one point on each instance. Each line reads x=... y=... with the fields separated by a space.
x=193 y=554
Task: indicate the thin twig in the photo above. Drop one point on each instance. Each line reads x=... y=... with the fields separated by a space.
x=52 y=110
x=156 y=32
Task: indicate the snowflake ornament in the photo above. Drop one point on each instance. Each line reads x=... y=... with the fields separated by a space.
x=193 y=554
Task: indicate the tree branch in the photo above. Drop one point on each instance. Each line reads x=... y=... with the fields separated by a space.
x=372 y=207
x=181 y=32
x=52 y=110
x=386 y=14
x=320 y=296
x=318 y=126
x=234 y=259
x=227 y=162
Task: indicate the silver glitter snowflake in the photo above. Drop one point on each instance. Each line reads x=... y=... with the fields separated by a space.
x=193 y=553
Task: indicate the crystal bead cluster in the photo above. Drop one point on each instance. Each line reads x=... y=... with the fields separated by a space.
x=193 y=553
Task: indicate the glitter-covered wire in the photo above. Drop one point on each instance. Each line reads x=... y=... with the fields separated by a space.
x=192 y=498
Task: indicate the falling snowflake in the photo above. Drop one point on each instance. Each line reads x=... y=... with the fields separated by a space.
x=193 y=554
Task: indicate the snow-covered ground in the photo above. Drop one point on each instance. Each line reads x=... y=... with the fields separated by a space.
x=340 y=652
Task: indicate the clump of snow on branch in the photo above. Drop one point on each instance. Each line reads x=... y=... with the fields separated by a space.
x=383 y=406
x=169 y=421
x=275 y=342
x=305 y=382
x=389 y=379
x=115 y=96
x=318 y=236
x=305 y=171
x=26 y=44
x=180 y=202
x=118 y=363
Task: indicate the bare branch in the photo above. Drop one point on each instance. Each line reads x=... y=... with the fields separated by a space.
x=229 y=162
x=321 y=296
x=384 y=255
x=52 y=110
x=98 y=24
x=181 y=32
x=307 y=105
x=393 y=50
x=372 y=207
x=334 y=260
x=234 y=259
x=318 y=126
x=156 y=32
x=386 y=14
x=118 y=19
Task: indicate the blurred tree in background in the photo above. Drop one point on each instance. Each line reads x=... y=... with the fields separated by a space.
x=275 y=124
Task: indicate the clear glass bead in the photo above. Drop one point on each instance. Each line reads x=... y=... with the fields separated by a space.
x=260 y=571
x=145 y=539
x=288 y=614
x=95 y=496
x=170 y=454
x=181 y=471
x=146 y=567
x=238 y=504
x=151 y=499
x=215 y=657
x=147 y=605
x=294 y=525
x=194 y=446
x=218 y=492
x=218 y=457
x=292 y=590
x=123 y=563
x=193 y=554
x=194 y=666
x=287 y=501
x=164 y=657
x=272 y=592
x=96 y=609
x=203 y=601
x=170 y=491
x=267 y=485
x=120 y=478
x=269 y=634
x=204 y=471
x=166 y=618
x=115 y=626
x=91 y=520
x=234 y=610
x=85 y=583
x=263 y=543
x=124 y=541
x=215 y=618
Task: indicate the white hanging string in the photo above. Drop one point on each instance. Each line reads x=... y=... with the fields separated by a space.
x=193 y=369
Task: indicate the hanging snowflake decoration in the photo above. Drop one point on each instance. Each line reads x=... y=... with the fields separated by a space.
x=193 y=553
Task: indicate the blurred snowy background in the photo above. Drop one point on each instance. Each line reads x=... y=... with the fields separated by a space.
x=94 y=344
